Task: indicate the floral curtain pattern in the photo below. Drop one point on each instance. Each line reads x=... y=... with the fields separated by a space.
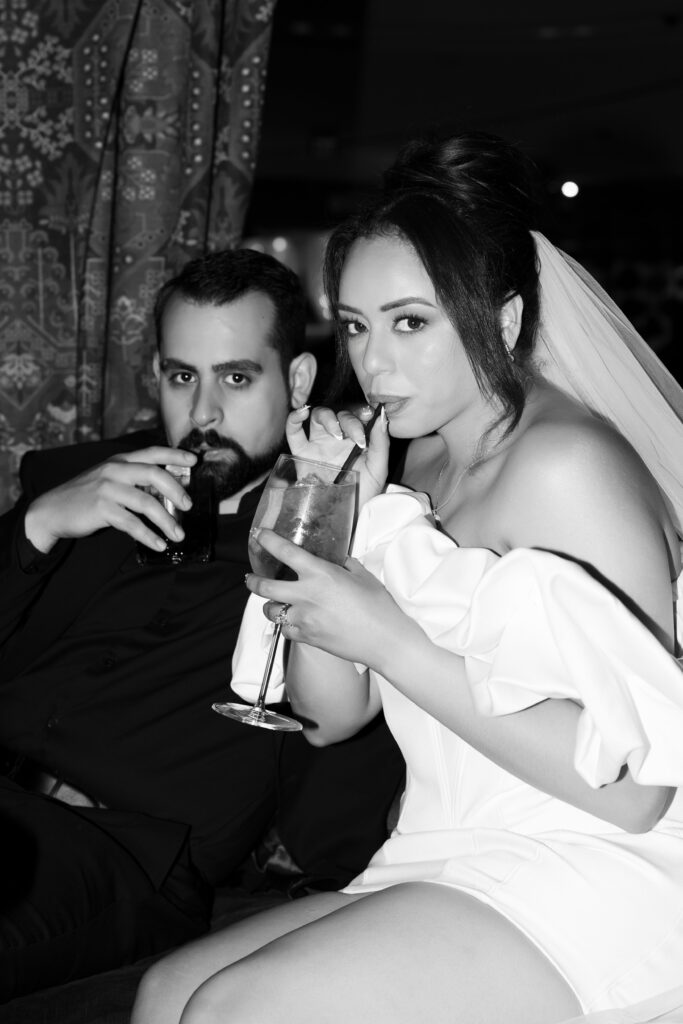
x=128 y=139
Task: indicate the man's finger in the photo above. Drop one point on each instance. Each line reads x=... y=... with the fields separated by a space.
x=158 y=455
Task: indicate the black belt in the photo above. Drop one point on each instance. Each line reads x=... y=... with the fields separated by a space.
x=36 y=779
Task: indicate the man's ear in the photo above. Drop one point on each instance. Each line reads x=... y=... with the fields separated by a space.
x=302 y=371
x=511 y=322
x=156 y=368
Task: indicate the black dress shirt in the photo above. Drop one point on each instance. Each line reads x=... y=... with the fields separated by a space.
x=119 y=705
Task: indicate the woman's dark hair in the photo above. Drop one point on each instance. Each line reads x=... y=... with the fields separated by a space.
x=466 y=205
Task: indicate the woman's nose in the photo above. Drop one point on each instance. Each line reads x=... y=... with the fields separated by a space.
x=377 y=354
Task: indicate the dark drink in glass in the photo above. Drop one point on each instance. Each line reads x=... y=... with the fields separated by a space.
x=198 y=522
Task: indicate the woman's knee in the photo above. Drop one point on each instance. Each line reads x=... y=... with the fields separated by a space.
x=235 y=995
x=155 y=994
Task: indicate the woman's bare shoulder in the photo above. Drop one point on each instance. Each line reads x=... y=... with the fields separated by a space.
x=564 y=449
x=574 y=486
x=573 y=480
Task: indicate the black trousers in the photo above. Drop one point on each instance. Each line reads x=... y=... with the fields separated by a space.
x=75 y=902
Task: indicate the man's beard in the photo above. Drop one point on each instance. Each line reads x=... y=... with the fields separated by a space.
x=229 y=475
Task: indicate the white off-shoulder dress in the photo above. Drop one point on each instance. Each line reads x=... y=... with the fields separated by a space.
x=605 y=906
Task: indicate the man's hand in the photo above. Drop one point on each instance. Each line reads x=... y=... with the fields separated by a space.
x=112 y=494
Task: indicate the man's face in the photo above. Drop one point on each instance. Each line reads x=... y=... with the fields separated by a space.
x=222 y=389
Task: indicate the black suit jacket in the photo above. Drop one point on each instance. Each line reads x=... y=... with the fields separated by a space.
x=333 y=801
x=36 y=607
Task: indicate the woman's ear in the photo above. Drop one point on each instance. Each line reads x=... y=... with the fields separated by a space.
x=511 y=322
x=302 y=371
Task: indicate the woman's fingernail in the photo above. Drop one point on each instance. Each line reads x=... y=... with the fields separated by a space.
x=384 y=419
x=303 y=408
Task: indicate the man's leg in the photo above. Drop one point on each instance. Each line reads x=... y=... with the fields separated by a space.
x=74 y=901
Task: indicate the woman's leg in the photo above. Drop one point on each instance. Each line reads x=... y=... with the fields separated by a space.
x=410 y=953
x=168 y=984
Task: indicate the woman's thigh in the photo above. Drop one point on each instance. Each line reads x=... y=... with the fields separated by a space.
x=412 y=952
x=168 y=984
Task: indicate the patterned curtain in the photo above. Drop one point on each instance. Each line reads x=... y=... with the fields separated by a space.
x=128 y=138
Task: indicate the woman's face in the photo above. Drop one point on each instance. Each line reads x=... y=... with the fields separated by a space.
x=404 y=350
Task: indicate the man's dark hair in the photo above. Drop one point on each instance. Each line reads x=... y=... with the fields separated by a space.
x=219 y=278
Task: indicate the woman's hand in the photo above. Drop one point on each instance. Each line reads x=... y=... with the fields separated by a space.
x=344 y=611
x=331 y=438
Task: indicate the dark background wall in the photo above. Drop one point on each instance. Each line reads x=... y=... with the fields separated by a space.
x=593 y=90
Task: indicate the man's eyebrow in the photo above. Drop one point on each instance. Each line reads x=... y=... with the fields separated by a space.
x=230 y=366
x=396 y=304
x=238 y=366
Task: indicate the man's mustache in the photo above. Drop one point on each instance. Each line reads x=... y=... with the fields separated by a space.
x=197 y=439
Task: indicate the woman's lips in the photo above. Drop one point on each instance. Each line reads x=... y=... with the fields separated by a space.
x=393 y=404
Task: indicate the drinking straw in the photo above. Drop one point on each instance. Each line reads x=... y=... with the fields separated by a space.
x=356 y=450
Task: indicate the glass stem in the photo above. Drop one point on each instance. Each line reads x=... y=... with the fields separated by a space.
x=261 y=699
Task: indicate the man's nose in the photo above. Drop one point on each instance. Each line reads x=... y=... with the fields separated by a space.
x=206 y=407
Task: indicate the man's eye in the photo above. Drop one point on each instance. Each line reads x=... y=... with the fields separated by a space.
x=238 y=380
x=409 y=323
x=181 y=377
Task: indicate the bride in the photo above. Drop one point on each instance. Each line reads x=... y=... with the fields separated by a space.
x=510 y=608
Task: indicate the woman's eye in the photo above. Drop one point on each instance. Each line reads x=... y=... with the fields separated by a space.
x=410 y=323
x=351 y=328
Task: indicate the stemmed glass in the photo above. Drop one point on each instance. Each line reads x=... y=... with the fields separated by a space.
x=312 y=504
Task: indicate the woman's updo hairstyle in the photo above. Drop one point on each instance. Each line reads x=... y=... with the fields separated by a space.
x=466 y=205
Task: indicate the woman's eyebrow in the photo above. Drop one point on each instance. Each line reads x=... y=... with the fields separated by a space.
x=407 y=301
x=396 y=304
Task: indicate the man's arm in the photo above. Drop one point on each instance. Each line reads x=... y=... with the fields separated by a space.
x=112 y=493
x=36 y=535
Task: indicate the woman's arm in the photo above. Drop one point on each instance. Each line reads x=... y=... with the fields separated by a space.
x=536 y=744
x=350 y=616
x=590 y=504
x=329 y=695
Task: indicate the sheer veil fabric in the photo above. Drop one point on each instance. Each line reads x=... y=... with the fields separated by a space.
x=588 y=348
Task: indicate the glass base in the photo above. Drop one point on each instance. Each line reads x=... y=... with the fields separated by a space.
x=249 y=714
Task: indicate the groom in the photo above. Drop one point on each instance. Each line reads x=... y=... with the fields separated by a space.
x=126 y=802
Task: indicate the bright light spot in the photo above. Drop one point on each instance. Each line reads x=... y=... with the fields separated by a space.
x=570 y=189
x=280 y=244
